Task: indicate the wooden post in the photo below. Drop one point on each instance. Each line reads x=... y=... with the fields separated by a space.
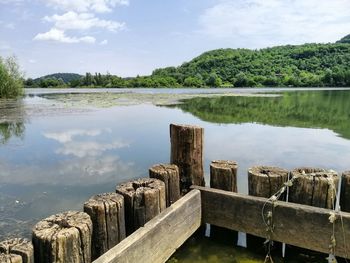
x=313 y=186
x=265 y=181
x=187 y=154
x=10 y=258
x=107 y=214
x=64 y=237
x=345 y=192
x=18 y=246
x=223 y=175
x=144 y=199
x=169 y=174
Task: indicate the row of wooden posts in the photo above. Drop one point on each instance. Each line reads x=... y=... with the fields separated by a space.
x=109 y=218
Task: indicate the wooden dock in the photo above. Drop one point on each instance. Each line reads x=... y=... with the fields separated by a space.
x=148 y=219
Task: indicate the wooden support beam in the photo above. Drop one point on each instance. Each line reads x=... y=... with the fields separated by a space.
x=161 y=236
x=299 y=225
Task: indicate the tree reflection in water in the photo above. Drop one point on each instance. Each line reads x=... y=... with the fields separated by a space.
x=12 y=119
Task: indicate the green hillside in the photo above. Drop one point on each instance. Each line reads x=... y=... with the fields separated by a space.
x=66 y=77
x=54 y=80
x=308 y=65
x=345 y=39
x=302 y=65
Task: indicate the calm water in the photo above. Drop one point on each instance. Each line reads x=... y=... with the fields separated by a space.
x=56 y=150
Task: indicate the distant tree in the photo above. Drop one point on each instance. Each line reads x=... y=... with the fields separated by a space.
x=11 y=78
x=193 y=82
x=214 y=80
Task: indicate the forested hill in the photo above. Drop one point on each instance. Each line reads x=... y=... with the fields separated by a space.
x=308 y=65
x=66 y=77
x=302 y=65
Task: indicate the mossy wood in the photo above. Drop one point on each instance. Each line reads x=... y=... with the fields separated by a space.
x=18 y=246
x=295 y=224
x=223 y=175
x=64 y=237
x=107 y=214
x=10 y=258
x=144 y=199
x=265 y=181
x=313 y=186
x=345 y=192
x=187 y=154
x=161 y=236
x=169 y=174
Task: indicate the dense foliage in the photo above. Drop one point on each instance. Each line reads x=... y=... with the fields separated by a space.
x=11 y=80
x=308 y=65
x=305 y=65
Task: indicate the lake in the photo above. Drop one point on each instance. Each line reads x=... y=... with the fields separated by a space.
x=59 y=147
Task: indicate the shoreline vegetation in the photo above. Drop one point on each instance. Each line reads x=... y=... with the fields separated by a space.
x=307 y=65
x=11 y=78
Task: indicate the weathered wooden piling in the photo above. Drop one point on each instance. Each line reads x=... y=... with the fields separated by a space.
x=345 y=192
x=10 y=258
x=18 y=246
x=187 y=154
x=265 y=181
x=64 y=237
x=169 y=174
x=314 y=187
x=223 y=175
x=107 y=214
x=144 y=199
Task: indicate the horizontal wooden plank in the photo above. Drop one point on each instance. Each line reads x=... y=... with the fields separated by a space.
x=161 y=236
x=299 y=225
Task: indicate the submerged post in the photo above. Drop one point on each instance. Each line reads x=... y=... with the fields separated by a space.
x=187 y=154
x=64 y=237
x=345 y=192
x=264 y=181
x=314 y=187
x=223 y=175
x=107 y=214
x=169 y=174
x=144 y=199
x=20 y=247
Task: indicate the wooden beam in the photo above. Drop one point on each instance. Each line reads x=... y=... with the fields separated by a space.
x=299 y=225
x=161 y=236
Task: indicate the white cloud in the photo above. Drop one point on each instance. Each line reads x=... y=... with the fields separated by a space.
x=99 y=6
x=89 y=148
x=81 y=149
x=259 y=23
x=104 y=42
x=59 y=35
x=67 y=136
x=84 y=21
x=32 y=61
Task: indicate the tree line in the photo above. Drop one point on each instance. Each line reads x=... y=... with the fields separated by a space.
x=308 y=65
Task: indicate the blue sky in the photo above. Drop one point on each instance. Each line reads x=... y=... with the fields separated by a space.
x=130 y=37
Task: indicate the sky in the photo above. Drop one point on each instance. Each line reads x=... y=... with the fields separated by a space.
x=134 y=37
